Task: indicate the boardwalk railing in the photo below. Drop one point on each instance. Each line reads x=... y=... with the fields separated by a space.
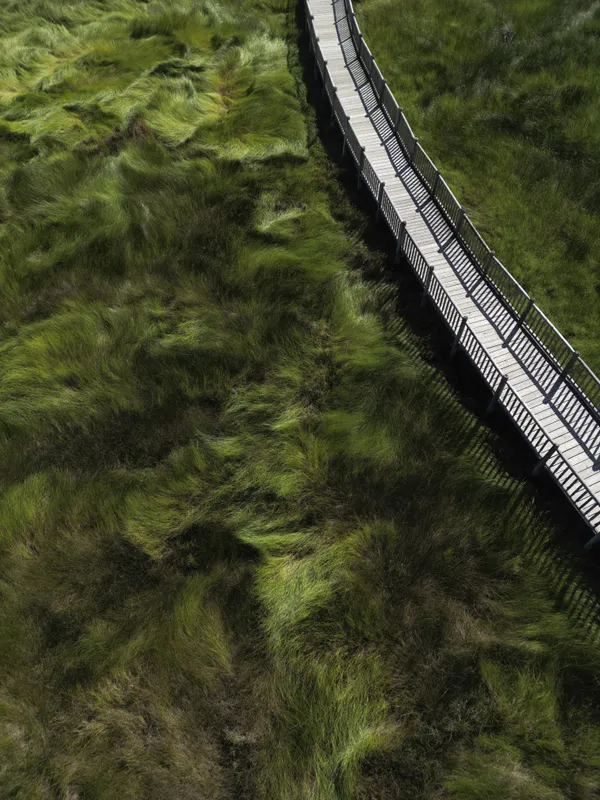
x=542 y=332
x=551 y=343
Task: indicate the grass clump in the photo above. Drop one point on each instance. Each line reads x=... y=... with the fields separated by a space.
x=249 y=544
x=505 y=98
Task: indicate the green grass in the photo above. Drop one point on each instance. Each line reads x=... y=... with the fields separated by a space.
x=505 y=97
x=250 y=545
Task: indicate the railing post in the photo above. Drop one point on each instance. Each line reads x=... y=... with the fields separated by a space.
x=426 y=285
x=497 y=394
x=438 y=175
x=521 y=320
x=379 y=197
x=571 y=362
x=528 y=308
x=371 y=67
x=400 y=242
x=592 y=542
x=397 y=120
x=361 y=163
x=458 y=335
x=544 y=460
x=345 y=136
x=414 y=150
x=484 y=270
x=530 y=305
x=488 y=262
x=315 y=68
x=460 y=220
x=324 y=90
x=569 y=365
x=334 y=90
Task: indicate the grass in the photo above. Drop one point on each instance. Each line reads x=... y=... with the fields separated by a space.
x=251 y=546
x=505 y=97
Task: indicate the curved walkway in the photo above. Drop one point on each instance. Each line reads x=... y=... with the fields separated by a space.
x=526 y=378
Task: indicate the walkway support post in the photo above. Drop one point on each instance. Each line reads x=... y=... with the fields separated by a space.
x=497 y=394
x=324 y=90
x=379 y=198
x=544 y=460
x=334 y=90
x=458 y=336
x=361 y=163
x=401 y=234
x=530 y=305
x=426 y=285
x=591 y=543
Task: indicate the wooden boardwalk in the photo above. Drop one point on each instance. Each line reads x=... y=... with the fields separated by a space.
x=532 y=372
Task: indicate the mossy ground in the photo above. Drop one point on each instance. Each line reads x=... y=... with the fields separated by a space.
x=505 y=97
x=250 y=545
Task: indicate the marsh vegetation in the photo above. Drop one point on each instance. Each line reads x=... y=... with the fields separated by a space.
x=251 y=546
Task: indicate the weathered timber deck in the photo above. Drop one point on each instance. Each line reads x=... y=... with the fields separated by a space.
x=527 y=377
